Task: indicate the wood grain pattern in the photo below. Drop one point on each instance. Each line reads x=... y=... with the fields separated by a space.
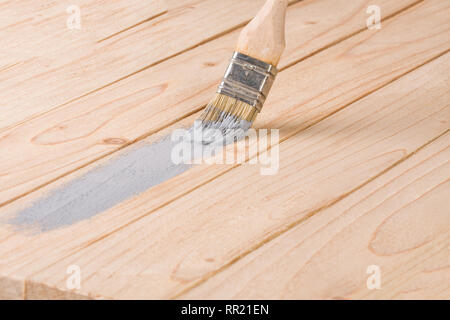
x=314 y=103
x=70 y=72
x=32 y=29
x=192 y=238
x=397 y=222
x=67 y=138
x=364 y=152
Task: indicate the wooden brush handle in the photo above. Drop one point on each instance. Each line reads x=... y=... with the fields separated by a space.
x=263 y=38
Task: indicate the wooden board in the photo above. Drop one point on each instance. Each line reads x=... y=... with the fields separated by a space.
x=71 y=72
x=308 y=261
x=41 y=27
x=357 y=109
x=189 y=240
x=57 y=144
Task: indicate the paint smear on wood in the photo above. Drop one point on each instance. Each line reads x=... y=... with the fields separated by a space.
x=137 y=170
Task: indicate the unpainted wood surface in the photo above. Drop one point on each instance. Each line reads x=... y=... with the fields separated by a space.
x=397 y=222
x=70 y=72
x=190 y=239
x=363 y=118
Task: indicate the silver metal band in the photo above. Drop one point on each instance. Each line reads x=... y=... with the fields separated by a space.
x=248 y=80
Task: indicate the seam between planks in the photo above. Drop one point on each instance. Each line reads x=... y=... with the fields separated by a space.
x=315 y=211
x=183 y=116
x=265 y=241
x=425 y=258
x=301 y=220
x=153 y=64
x=133 y=26
x=290 y=226
x=337 y=41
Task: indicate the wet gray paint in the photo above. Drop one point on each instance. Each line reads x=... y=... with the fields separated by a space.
x=140 y=168
x=130 y=174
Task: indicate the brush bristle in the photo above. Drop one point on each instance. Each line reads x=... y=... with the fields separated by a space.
x=222 y=107
x=225 y=120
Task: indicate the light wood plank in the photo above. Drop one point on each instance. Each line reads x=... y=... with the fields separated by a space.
x=68 y=138
x=98 y=228
x=37 y=85
x=36 y=29
x=189 y=240
x=398 y=222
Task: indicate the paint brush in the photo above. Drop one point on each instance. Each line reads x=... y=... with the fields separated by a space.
x=248 y=78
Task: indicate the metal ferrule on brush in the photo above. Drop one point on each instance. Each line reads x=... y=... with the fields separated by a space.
x=248 y=80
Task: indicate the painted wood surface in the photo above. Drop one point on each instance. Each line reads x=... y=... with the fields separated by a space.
x=363 y=118
x=187 y=241
x=145 y=103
